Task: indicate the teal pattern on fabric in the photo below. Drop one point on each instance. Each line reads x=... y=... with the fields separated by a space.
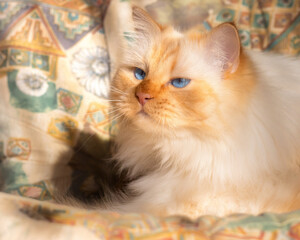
x=19 y=99
x=261 y=20
x=3 y=7
x=248 y=3
x=3 y=58
x=266 y=221
x=245 y=37
x=73 y=16
x=284 y=34
x=226 y=15
x=37 y=191
x=10 y=10
x=70 y=31
x=12 y=175
x=295 y=42
x=285 y=3
x=19 y=57
x=40 y=61
x=2 y=155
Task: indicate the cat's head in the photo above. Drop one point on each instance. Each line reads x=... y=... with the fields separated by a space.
x=173 y=80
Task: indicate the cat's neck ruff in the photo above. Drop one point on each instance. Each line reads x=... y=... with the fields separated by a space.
x=253 y=147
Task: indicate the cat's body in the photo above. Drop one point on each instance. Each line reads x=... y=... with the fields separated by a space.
x=228 y=141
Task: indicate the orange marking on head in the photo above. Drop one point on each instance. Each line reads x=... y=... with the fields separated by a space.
x=200 y=105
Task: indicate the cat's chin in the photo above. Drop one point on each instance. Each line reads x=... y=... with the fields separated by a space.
x=150 y=125
x=142 y=118
x=145 y=122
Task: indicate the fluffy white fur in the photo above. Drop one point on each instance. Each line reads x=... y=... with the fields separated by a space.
x=252 y=167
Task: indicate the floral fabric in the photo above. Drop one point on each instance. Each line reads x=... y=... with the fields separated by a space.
x=31 y=219
x=56 y=61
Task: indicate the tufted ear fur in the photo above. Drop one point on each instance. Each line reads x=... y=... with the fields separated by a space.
x=144 y=24
x=145 y=32
x=223 y=47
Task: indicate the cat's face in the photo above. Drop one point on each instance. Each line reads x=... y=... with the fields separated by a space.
x=171 y=80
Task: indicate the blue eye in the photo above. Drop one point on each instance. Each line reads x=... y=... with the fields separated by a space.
x=180 y=82
x=139 y=74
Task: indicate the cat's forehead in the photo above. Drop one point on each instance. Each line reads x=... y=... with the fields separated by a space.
x=179 y=55
x=163 y=54
x=171 y=54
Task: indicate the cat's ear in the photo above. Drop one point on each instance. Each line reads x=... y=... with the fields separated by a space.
x=139 y=38
x=146 y=29
x=223 y=47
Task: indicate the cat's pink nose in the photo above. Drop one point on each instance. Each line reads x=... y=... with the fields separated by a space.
x=143 y=97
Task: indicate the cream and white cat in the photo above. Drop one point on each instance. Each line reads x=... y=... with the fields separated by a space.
x=206 y=127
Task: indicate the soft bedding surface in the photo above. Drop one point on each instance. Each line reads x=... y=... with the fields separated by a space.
x=31 y=219
x=56 y=61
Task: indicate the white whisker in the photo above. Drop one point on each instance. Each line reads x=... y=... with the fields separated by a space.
x=114 y=110
x=118 y=90
x=113 y=100
x=117 y=117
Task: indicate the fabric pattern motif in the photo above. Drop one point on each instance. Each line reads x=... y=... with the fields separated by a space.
x=264 y=25
x=91 y=68
x=68 y=101
x=97 y=117
x=42 y=105
x=18 y=147
x=64 y=128
x=108 y=225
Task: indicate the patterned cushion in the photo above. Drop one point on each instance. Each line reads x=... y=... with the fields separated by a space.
x=54 y=78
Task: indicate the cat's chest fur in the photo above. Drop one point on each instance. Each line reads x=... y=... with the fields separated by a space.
x=252 y=168
x=196 y=178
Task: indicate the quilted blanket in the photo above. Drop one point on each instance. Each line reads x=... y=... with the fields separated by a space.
x=56 y=61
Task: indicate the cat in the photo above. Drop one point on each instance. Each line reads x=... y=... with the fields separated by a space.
x=205 y=127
